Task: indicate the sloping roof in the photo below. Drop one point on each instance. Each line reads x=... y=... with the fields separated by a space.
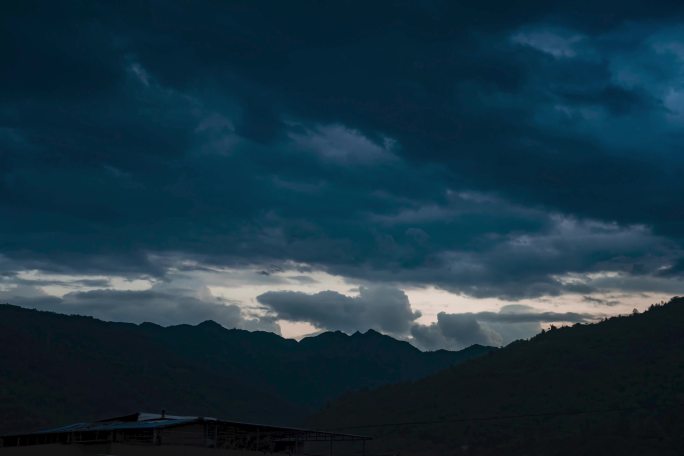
x=138 y=420
x=143 y=420
x=119 y=425
x=146 y=416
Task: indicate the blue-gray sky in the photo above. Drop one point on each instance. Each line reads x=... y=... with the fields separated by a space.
x=427 y=169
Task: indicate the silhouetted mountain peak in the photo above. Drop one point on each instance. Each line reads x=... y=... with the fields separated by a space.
x=210 y=324
x=149 y=324
x=327 y=336
x=370 y=333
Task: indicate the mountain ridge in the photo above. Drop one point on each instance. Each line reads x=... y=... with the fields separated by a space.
x=58 y=368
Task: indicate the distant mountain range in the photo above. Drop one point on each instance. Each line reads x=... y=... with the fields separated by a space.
x=615 y=387
x=58 y=369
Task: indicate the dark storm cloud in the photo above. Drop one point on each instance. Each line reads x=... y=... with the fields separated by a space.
x=487 y=150
x=381 y=308
x=676 y=269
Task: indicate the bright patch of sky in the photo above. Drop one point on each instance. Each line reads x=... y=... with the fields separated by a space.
x=242 y=286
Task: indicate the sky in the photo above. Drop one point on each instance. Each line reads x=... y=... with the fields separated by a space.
x=444 y=172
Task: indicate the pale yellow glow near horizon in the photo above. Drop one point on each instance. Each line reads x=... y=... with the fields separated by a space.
x=242 y=286
x=431 y=301
x=296 y=330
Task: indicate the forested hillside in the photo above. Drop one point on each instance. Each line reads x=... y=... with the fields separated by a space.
x=615 y=387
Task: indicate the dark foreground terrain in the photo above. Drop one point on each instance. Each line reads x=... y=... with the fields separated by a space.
x=57 y=369
x=612 y=388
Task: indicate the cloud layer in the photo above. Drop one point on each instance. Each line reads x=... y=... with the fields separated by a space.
x=508 y=151
x=388 y=310
x=512 y=322
x=161 y=304
x=381 y=308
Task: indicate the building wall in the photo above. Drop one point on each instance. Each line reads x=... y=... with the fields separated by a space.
x=193 y=435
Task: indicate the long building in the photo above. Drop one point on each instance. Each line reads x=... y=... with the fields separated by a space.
x=170 y=435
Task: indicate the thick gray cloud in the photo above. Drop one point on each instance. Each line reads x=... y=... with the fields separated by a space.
x=389 y=310
x=453 y=331
x=486 y=150
x=511 y=323
x=381 y=308
x=163 y=304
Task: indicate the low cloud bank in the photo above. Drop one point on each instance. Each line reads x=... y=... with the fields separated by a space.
x=388 y=310
x=162 y=304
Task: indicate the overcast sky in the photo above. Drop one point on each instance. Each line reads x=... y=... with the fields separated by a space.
x=445 y=172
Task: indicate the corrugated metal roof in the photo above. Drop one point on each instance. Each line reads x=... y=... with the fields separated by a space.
x=120 y=425
x=67 y=428
x=145 y=416
x=149 y=424
x=145 y=421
